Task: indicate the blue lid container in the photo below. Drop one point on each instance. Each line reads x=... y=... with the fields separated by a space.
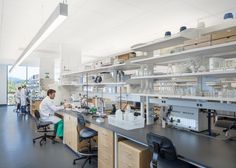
x=167 y=33
x=182 y=28
x=228 y=16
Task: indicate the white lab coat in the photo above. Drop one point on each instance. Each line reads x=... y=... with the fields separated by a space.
x=47 y=108
x=17 y=96
x=23 y=96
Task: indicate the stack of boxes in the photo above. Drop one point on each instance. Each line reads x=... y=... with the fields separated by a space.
x=211 y=39
x=203 y=41
x=224 y=37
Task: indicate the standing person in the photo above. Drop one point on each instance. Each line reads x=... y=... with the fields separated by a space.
x=17 y=99
x=23 y=97
x=47 y=108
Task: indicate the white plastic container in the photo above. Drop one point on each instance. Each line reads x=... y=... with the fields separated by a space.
x=138 y=122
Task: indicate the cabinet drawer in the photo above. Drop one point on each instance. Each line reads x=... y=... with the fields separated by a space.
x=105 y=148
x=128 y=164
x=105 y=154
x=131 y=154
x=105 y=164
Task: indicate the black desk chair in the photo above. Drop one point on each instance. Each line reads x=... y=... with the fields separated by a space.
x=85 y=134
x=42 y=127
x=228 y=123
x=164 y=153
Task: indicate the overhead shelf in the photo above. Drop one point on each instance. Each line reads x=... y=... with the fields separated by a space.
x=68 y=84
x=220 y=99
x=105 y=84
x=96 y=84
x=225 y=25
x=228 y=73
x=175 y=39
x=124 y=66
x=215 y=50
x=115 y=96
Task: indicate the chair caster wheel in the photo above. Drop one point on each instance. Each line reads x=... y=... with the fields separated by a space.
x=74 y=163
x=33 y=141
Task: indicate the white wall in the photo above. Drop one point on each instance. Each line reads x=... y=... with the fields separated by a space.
x=46 y=66
x=3 y=84
x=70 y=57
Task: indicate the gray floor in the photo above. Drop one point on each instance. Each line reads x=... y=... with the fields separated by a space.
x=18 y=151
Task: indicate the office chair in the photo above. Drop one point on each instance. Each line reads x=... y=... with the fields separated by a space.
x=228 y=124
x=42 y=127
x=85 y=134
x=163 y=153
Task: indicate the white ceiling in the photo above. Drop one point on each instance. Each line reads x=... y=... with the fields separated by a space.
x=99 y=27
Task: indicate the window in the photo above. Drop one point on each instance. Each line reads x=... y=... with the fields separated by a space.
x=15 y=79
x=21 y=75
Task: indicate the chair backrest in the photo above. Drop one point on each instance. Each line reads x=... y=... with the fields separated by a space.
x=161 y=147
x=227 y=122
x=81 y=120
x=37 y=114
x=80 y=125
x=37 y=117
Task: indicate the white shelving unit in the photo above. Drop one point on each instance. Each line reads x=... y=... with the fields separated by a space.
x=124 y=66
x=115 y=96
x=226 y=49
x=219 y=99
x=175 y=39
x=228 y=73
x=96 y=84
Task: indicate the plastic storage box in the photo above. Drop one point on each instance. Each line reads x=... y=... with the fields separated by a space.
x=138 y=122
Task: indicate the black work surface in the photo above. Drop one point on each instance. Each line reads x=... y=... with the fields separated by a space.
x=195 y=148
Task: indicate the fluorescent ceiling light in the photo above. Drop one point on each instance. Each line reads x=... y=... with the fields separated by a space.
x=55 y=19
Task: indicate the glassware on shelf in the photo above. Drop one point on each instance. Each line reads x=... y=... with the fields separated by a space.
x=142 y=86
x=216 y=64
x=170 y=69
x=230 y=64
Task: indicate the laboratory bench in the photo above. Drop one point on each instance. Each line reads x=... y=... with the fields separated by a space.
x=194 y=148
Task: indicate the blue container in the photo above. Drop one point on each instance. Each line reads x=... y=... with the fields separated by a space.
x=182 y=28
x=167 y=33
x=228 y=16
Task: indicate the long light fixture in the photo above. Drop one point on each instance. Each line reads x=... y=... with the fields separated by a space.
x=55 y=19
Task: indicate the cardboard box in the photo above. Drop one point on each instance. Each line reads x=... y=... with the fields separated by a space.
x=224 y=40
x=205 y=44
x=124 y=57
x=199 y=45
x=172 y=49
x=203 y=39
x=219 y=41
x=232 y=32
x=219 y=35
x=230 y=39
x=190 y=42
x=224 y=34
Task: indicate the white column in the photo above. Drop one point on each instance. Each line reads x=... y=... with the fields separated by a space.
x=3 y=88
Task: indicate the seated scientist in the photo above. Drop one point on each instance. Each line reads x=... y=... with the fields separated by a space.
x=47 y=108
